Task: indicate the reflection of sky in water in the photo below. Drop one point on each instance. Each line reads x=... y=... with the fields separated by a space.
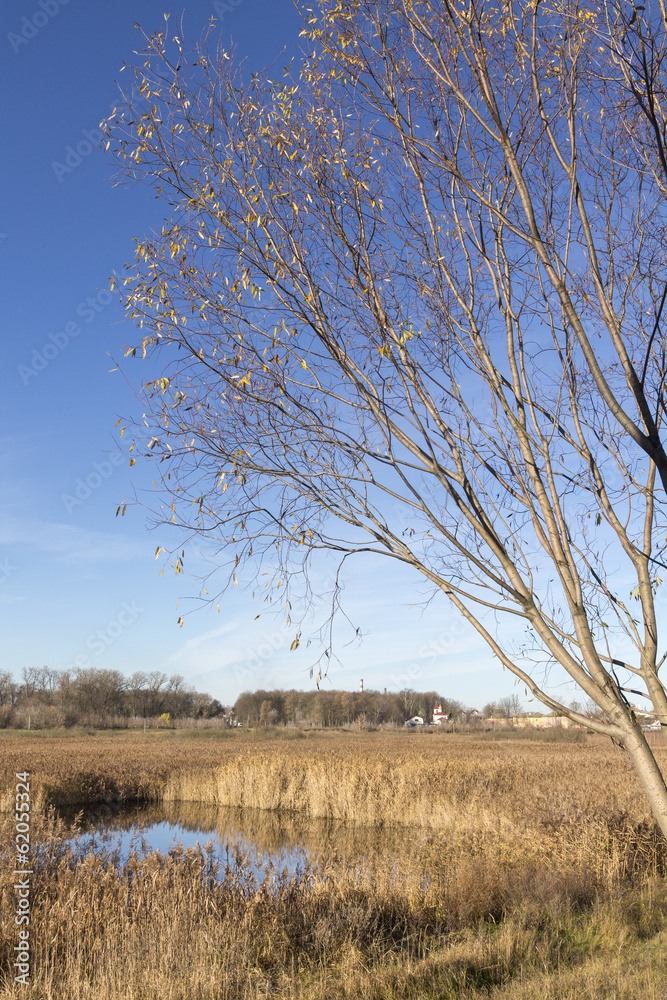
x=165 y=836
x=252 y=843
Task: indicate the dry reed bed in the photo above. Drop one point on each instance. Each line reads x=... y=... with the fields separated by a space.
x=540 y=858
x=74 y=770
x=174 y=927
x=508 y=803
x=436 y=781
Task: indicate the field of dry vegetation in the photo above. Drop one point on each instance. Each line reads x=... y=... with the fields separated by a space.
x=510 y=869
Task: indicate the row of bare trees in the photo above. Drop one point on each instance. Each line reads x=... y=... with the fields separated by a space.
x=50 y=697
x=339 y=708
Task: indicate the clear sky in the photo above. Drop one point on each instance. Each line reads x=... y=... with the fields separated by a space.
x=78 y=585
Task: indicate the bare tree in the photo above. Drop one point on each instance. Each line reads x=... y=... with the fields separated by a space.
x=510 y=707
x=156 y=691
x=66 y=690
x=409 y=302
x=30 y=677
x=406 y=699
x=7 y=688
x=136 y=692
x=99 y=692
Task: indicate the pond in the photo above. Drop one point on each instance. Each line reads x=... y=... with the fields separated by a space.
x=266 y=841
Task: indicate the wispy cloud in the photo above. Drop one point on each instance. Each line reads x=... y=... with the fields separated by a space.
x=192 y=647
x=68 y=542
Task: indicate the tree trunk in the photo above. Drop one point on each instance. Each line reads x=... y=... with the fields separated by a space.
x=657 y=694
x=649 y=774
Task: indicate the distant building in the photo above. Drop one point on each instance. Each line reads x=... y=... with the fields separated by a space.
x=537 y=721
x=439 y=717
x=542 y=721
x=416 y=720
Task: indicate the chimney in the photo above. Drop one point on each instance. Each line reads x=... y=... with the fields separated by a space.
x=361 y=685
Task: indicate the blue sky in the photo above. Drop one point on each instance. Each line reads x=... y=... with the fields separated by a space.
x=79 y=586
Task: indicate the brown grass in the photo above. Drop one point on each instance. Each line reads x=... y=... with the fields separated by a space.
x=545 y=872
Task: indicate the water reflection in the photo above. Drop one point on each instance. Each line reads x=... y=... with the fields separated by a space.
x=268 y=841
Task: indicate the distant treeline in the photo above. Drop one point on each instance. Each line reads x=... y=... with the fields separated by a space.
x=45 y=698
x=340 y=708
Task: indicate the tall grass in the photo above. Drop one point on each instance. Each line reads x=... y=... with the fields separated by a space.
x=512 y=870
x=174 y=926
x=460 y=783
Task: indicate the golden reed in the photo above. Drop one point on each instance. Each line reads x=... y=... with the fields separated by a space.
x=492 y=869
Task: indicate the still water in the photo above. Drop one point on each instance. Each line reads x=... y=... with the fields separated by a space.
x=267 y=842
